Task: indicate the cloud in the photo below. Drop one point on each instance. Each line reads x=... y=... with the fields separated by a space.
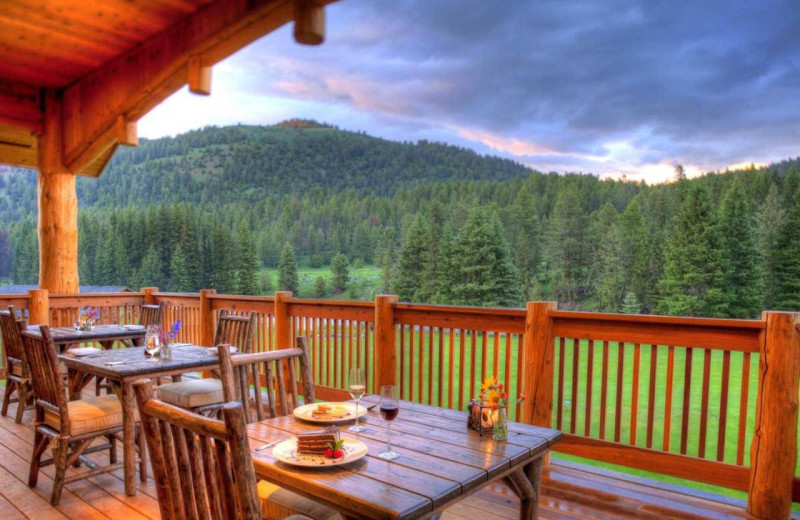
x=614 y=87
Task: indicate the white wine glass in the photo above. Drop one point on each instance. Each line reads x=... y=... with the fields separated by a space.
x=357 y=385
x=390 y=406
x=152 y=342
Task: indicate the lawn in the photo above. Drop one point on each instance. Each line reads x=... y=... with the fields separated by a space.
x=364 y=282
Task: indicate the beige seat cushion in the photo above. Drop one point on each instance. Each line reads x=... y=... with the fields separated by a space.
x=278 y=503
x=192 y=394
x=89 y=415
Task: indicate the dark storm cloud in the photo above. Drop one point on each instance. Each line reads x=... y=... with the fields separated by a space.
x=705 y=83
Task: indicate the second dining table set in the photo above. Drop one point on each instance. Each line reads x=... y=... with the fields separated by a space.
x=375 y=458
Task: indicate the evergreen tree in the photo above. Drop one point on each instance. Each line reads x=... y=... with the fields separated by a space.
x=787 y=267
x=693 y=282
x=566 y=251
x=265 y=284
x=287 y=270
x=222 y=275
x=630 y=305
x=340 y=273
x=740 y=255
x=482 y=272
x=320 y=290
x=149 y=273
x=635 y=255
x=179 y=279
x=246 y=261
x=408 y=283
x=770 y=220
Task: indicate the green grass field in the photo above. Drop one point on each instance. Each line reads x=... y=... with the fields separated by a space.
x=364 y=282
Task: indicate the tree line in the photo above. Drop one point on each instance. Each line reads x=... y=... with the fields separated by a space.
x=725 y=244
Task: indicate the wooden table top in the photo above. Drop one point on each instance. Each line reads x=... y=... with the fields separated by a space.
x=184 y=359
x=440 y=462
x=68 y=335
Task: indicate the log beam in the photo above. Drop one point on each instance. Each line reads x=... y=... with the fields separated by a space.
x=309 y=22
x=773 y=453
x=58 y=208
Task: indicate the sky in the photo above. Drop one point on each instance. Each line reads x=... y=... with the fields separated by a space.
x=612 y=88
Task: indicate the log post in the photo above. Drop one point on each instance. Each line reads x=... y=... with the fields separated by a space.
x=58 y=207
x=309 y=22
x=39 y=307
x=283 y=322
x=206 y=318
x=385 y=358
x=149 y=295
x=537 y=381
x=773 y=453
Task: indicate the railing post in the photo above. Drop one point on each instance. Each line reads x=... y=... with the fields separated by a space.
x=537 y=381
x=39 y=307
x=773 y=453
x=385 y=341
x=206 y=318
x=283 y=323
x=148 y=293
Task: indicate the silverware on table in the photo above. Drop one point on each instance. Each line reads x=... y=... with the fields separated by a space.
x=268 y=445
x=372 y=406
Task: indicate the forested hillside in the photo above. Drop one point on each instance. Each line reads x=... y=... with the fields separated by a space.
x=211 y=207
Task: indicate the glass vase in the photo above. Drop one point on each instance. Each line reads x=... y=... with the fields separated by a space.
x=500 y=428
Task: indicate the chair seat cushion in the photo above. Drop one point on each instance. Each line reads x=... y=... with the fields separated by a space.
x=89 y=415
x=192 y=394
x=278 y=503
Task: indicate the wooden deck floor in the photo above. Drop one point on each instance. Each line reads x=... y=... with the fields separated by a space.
x=570 y=492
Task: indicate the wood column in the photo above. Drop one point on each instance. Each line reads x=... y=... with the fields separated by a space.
x=39 y=307
x=773 y=453
x=283 y=323
x=537 y=380
x=206 y=318
x=148 y=293
x=58 y=207
x=385 y=358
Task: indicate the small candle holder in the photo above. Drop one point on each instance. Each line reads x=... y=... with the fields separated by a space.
x=481 y=416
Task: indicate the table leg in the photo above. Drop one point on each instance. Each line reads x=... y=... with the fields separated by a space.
x=534 y=473
x=521 y=486
x=125 y=393
x=138 y=341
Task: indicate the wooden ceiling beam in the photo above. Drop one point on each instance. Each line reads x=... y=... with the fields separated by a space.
x=21 y=106
x=138 y=80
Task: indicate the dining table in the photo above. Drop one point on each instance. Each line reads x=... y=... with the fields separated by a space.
x=123 y=367
x=441 y=462
x=104 y=335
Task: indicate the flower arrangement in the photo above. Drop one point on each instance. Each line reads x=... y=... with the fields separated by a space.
x=171 y=335
x=87 y=317
x=490 y=410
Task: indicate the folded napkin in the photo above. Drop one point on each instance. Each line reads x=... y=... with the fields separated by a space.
x=84 y=351
x=133 y=327
x=215 y=352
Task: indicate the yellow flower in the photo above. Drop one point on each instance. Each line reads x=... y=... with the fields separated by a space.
x=488 y=383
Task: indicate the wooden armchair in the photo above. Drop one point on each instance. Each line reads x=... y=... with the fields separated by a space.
x=18 y=379
x=277 y=369
x=202 y=467
x=205 y=396
x=151 y=314
x=68 y=427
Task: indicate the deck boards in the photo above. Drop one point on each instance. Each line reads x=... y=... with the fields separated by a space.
x=570 y=492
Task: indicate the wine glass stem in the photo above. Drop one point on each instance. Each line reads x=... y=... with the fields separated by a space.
x=389 y=437
x=356 y=423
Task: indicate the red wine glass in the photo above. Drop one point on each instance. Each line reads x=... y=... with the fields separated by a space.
x=390 y=405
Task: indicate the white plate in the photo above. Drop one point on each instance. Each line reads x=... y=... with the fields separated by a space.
x=84 y=351
x=286 y=452
x=306 y=411
x=214 y=352
x=133 y=327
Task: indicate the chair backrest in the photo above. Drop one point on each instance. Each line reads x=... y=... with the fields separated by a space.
x=46 y=379
x=13 y=350
x=151 y=314
x=202 y=467
x=277 y=368
x=236 y=331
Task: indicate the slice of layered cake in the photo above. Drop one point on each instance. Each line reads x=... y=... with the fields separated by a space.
x=316 y=442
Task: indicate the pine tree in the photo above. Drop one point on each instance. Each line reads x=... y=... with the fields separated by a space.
x=179 y=279
x=320 y=290
x=630 y=305
x=246 y=261
x=787 y=268
x=566 y=252
x=482 y=272
x=149 y=273
x=635 y=255
x=693 y=279
x=740 y=255
x=287 y=270
x=770 y=220
x=411 y=262
x=223 y=270
x=339 y=272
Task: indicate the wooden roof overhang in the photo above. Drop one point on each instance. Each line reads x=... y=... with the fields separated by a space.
x=103 y=64
x=76 y=76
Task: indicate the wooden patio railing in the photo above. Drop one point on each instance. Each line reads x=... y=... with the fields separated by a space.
x=709 y=400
